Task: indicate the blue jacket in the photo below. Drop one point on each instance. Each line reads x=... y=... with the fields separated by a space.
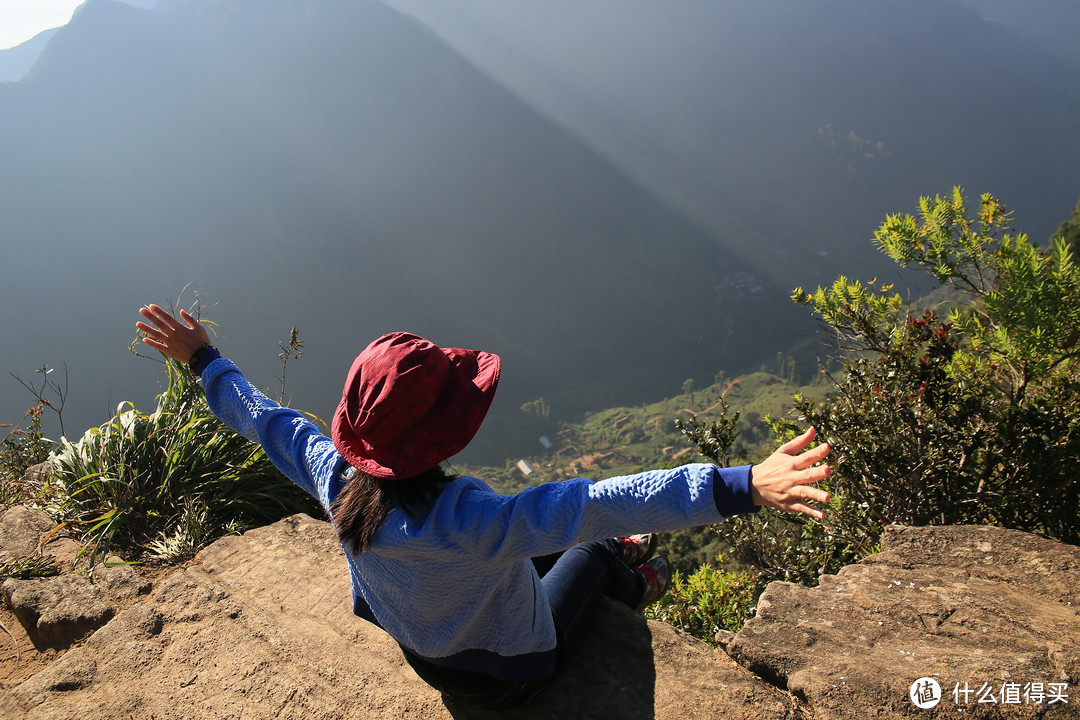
x=458 y=587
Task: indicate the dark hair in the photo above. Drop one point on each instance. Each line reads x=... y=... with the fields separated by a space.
x=364 y=501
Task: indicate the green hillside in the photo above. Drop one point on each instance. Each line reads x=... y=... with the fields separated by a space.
x=624 y=440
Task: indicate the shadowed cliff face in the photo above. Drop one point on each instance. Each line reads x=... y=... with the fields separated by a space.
x=804 y=122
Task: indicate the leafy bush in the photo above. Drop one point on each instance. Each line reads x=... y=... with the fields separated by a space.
x=1069 y=230
x=708 y=600
x=773 y=545
x=973 y=418
x=20 y=450
x=169 y=481
x=968 y=417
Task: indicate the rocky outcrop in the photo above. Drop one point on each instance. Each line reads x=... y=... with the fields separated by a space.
x=59 y=611
x=21 y=532
x=260 y=626
x=990 y=615
x=28 y=533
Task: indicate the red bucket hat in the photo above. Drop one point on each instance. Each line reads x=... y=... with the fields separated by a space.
x=409 y=404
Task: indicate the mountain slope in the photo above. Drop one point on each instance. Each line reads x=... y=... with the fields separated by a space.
x=799 y=123
x=338 y=168
x=1053 y=24
x=341 y=168
x=16 y=62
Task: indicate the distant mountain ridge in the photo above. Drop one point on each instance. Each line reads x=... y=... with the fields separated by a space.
x=16 y=62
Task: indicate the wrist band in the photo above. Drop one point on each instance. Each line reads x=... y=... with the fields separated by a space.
x=203 y=357
x=194 y=360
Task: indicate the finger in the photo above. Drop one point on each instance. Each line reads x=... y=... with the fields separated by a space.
x=801 y=498
x=803 y=494
x=810 y=510
x=147 y=313
x=815 y=494
x=160 y=317
x=189 y=319
x=793 y=447
x=814 y=475
x=155 y=344
x=150 y=331
x=812 y=456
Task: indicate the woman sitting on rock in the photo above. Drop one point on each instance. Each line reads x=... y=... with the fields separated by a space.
x=485 y=593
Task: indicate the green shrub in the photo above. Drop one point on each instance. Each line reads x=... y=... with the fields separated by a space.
x=973 y=418
x=20 y=450
x=169 y=481
x=773 y=545
x=968 y=418
x=709 y=600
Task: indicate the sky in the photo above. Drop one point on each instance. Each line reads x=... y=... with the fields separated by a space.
x=21 y=20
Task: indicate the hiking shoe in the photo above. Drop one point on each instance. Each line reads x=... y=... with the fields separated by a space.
x=636 y=549
x=657 y=575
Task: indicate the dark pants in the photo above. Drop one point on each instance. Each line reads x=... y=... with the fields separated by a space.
x=573 y=581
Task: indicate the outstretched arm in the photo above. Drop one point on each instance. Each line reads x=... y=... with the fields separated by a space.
x=178 y=339
x=291 y=441
x=785 y=480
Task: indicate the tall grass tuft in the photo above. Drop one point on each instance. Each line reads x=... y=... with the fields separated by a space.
x=168 y=482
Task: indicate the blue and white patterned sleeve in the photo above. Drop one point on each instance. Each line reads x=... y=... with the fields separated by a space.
x=555 y=516
x=291 y=441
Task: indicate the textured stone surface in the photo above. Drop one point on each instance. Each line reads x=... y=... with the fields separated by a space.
x=58 y=611
x=261 y=626
x=21 y=530
x=974 y=605
x=28 y=533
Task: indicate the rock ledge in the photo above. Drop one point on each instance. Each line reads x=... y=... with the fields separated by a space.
x=261 y=626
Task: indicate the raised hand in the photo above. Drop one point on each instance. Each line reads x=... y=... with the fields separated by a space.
x=785 y=479
x=177 y=338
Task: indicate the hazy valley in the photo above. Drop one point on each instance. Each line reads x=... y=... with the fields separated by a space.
x=614 y=198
